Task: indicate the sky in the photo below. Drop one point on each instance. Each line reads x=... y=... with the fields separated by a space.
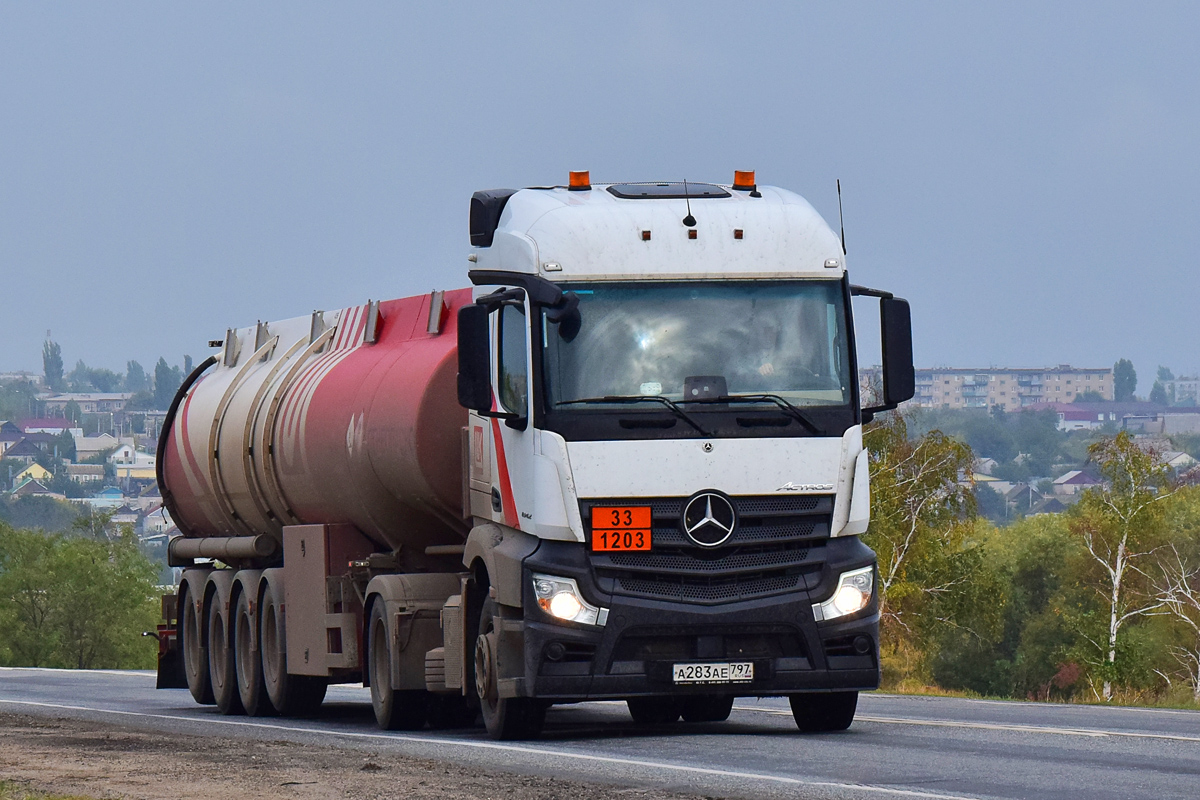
x=1026 y=174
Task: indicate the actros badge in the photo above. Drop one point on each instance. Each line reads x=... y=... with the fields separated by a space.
x=709 y=518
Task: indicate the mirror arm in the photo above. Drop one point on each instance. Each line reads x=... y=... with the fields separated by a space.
x=864 y=291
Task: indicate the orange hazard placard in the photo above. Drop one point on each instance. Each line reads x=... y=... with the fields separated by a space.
x=621 y=528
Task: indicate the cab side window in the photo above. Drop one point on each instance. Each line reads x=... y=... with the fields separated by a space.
x=513 y=369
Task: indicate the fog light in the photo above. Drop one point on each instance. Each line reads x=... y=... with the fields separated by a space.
x=561 y=599
x=853 y=594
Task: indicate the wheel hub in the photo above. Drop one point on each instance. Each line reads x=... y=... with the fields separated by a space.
x=485 y=684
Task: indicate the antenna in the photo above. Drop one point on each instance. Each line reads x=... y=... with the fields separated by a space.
x=689 y=220
x=841 y=222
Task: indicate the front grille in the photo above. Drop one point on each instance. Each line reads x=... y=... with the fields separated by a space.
x=778 y=546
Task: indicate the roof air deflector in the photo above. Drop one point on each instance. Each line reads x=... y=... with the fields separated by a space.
x=486 y=208
x=666 y=191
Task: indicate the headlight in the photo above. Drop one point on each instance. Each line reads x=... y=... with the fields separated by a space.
x=560 y=598
x=853 y=594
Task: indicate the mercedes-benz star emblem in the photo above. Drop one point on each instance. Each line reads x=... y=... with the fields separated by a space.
x=709 y=518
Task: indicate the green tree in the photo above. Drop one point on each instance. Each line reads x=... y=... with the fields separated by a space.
x=135 y=378
x=104 y=599
x=73 y=412
x=1120 y=525
x=52 y=366
x=921 y=518
x=1124 y=380
x=105 y=380
x=27 y=635
x=44 y=513
x=80 y=378
x=18 y=399
x=1158 y=393
x=1177 y=581
x=167 y=380
x=75 y=602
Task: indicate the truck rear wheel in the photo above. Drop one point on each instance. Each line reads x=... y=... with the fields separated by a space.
x=821 y=713
x=504 y=717
x=653 y=710
x=291 y=695
x=221 y=668
x=195 y=656
x=251 y=688
x=706 y=708
x=395 y=710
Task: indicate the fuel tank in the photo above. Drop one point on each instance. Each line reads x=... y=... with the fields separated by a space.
x=347 y=416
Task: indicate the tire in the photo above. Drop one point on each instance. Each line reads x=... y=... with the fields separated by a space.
x=290 y=695
x=395 y=710
x=505 y=718
x=193 y=652
x=822 y=713
x=654 y=710
x=706 y=708
x=248 y=660
x=221 y=668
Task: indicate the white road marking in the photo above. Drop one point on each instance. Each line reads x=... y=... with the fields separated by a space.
x=512 y=748
x=1011 y=703
x=993 y=726
x=140 y=674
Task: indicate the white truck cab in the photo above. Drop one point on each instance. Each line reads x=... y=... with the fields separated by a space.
x=666 y=473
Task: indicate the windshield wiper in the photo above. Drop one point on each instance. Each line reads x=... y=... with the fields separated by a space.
x=642 y=398
x=783 y=404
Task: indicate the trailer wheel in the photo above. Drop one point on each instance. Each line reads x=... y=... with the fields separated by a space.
x=706 y=708
x=504 y=717
x=221 y=669
x=195 y=656
x=821 y=713
x=291 y=695
x=395 y=710
x=653 y=710
x=251 y=689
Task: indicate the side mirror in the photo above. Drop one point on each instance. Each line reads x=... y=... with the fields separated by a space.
x=474 y=362
x=895 y=328
x=899 y=378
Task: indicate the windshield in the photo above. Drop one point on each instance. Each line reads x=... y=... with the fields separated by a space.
x=692 y=342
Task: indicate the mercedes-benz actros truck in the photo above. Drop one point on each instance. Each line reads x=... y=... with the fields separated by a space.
x=626 y=463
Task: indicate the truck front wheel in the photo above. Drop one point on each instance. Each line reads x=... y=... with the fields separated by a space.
x=504 y=717
x=821 y=713
x=394 y=710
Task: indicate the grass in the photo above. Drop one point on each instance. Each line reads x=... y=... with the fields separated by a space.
x=16 y=791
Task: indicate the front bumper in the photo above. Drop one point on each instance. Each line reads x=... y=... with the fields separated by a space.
x=634 y=652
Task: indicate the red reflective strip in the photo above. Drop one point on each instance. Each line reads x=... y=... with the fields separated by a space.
x=188 y=458
x=506 y=493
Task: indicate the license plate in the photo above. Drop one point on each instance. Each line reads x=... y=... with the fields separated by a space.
x=620 y=528
x=736 y=672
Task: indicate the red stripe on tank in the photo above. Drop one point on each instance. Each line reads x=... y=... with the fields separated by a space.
x=189 y=457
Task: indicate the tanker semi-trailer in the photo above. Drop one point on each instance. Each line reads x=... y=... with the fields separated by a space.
x=626 y=464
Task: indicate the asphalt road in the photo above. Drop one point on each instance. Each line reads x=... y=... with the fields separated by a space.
x=915 y=747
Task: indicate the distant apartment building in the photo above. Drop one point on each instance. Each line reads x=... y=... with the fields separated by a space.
x=1007 y=387
x=1183 y=391
x=88 y=402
